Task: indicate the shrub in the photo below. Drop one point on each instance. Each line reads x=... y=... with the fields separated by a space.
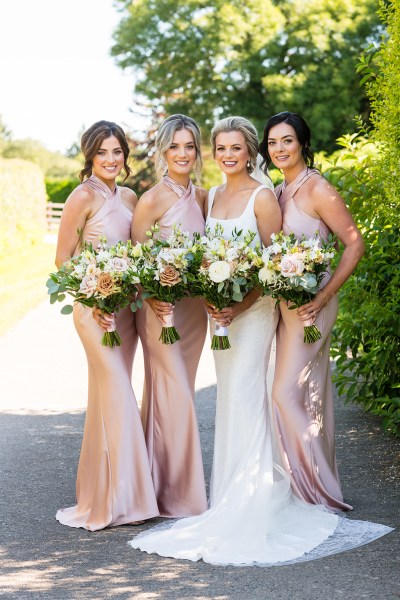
x=366 y=341
x=22 y=202
x=58 y=190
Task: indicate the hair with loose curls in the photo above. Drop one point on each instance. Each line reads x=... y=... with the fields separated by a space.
x=246 y=128
x=91 y=142
x=303 y=135
x=164 y=139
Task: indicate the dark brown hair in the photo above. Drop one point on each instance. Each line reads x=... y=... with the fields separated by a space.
x=303 y=135
x=92 y=139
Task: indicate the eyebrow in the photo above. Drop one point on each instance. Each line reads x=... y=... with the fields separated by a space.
x=284 y=137
x=116 y=148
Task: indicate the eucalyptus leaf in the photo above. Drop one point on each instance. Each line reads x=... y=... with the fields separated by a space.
x=67 y=309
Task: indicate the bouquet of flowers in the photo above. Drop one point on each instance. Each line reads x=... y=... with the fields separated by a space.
x=225 y=274
x=293 y=269
x=165 y=269
x=105 y=277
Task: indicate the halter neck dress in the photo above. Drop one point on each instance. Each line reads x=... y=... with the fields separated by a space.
x=114 y=484
x=302 y=392
x=168 y=412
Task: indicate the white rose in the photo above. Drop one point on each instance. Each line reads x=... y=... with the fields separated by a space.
x=219 y=271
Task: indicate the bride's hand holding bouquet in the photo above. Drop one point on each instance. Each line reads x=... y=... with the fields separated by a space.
x=104 y=278
x=293 y=270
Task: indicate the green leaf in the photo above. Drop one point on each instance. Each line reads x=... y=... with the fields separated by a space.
x=67 y=309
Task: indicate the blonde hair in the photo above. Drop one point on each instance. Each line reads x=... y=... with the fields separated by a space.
x=165 y=136
x=246 y=128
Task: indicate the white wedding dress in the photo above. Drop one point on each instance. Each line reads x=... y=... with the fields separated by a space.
x=253 y=519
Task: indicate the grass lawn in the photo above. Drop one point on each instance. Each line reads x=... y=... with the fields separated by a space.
x=23 y=276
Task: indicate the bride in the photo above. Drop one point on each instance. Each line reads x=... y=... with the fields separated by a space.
x=253 y=517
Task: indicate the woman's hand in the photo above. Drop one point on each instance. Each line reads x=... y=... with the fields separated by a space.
x=225 y=316
x=160 y=309
x=309 y=311
x=105 y=320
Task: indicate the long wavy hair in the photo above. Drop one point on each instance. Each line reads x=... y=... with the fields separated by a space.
x=165 y=136
x=303 y=135
x=246 y=128
x=92 y=139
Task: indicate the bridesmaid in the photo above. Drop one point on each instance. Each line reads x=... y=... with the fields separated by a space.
x=114 y=485
x=302 y=390
x=168 y=413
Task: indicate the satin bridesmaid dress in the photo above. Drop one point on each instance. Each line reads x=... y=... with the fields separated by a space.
x=168 y=412
x=302 y=391
x=114 y=484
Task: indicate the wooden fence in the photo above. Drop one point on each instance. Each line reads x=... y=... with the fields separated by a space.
x=53 y=214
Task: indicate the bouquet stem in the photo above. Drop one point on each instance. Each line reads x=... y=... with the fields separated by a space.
x=169 y=335
x=111 y=339
x=311 y=334
x=220 y=340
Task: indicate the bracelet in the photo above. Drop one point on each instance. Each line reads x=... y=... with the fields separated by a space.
x=325 y=294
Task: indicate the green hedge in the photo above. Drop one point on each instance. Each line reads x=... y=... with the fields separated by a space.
x=22 y=202
x=366 y=342
x=58 y=190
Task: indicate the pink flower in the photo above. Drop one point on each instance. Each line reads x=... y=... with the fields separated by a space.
x=291 y=265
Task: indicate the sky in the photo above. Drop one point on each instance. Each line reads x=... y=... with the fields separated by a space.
x=56 y=72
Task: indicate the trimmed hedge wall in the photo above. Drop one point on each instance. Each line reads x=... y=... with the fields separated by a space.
x=22 y=201
x=58 y=190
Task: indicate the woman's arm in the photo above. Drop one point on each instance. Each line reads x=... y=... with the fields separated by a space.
x=76 y=211
x=268 y=215
x=331 y=209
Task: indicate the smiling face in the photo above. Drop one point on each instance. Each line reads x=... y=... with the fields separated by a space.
x=284 y=148
x=181 y=155
x=108 y=162
x=231 y=152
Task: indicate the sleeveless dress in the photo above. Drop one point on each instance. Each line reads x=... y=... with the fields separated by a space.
x=114 y=484
x=302 y=391
x=168 y=412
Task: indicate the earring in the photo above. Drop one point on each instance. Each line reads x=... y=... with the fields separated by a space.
x=248 y=164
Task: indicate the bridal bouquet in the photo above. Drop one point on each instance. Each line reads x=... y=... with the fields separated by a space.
x=225 y=274
x=293 y=269
x=165 y=270
x=105 y=277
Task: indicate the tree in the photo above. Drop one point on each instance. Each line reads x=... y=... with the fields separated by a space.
x=250 y=57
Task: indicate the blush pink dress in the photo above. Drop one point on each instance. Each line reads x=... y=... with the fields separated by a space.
x=114 y=484
x=168 y=412
x=302 y=392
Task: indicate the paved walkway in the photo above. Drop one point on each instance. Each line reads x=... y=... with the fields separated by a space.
x=42 y=401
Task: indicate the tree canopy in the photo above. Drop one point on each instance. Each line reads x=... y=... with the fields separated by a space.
x=250 y=57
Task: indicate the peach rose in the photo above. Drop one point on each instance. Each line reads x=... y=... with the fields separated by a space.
x=291 y=265
x=169 y=276
x=105 y=284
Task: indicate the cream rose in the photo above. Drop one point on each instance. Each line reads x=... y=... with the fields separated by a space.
x=219 y=271
x=169 y=276
x=105 y=284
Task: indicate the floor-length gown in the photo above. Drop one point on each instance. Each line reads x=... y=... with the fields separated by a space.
x=168 y=412
x=302 y=392
x=254 y=518
x=114 y=484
